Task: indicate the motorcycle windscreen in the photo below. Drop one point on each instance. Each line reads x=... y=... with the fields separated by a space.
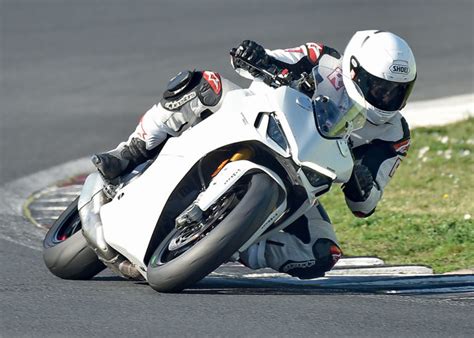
x=337 y=112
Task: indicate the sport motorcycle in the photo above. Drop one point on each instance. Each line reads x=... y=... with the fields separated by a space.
x=242 y=174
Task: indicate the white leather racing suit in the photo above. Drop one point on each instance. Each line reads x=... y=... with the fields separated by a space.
x=308 y=247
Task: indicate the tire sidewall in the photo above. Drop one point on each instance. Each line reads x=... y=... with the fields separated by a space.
x=66 y=215
x=71 y=258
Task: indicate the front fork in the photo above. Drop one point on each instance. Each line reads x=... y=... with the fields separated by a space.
x=224 y=178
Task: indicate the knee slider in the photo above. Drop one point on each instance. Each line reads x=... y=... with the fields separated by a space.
x=187 y=85
x=327 y=252
x=179 y=84
x=181 y=90
x=326 y=255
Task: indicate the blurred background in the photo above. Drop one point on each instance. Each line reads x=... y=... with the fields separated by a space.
x=77 y=75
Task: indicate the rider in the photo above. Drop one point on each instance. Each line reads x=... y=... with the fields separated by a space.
x=383 y=66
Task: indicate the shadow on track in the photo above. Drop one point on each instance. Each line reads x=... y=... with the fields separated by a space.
x=393 y=285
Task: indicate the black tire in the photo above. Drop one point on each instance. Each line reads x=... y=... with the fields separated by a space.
x=218 y=245
x=65 y=250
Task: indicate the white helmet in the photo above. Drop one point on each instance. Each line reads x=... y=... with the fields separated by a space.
x=383 y=66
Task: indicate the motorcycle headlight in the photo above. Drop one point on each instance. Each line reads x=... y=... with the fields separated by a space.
x=315 y=178
x=275 y=133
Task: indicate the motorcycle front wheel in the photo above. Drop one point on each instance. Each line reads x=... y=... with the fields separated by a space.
x=187 y=255
x=65 y=250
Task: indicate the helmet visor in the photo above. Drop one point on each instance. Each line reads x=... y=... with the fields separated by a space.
x=380 y=93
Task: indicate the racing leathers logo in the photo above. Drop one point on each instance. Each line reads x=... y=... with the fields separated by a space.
x=402 y=147
x=400 y=68
x=314 y=51
x=297 y=265
x=171 y=105
x=214 y=81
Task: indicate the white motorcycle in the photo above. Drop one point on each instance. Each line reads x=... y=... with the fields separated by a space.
x=243 y=173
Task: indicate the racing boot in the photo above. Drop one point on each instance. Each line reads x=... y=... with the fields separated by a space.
x=285 y=253
x=122 y=160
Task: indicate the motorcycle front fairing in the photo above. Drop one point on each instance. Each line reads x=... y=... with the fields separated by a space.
x=129 y=220
x=330 y=157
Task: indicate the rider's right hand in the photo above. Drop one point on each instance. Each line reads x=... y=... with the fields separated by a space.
x=252 y=53
x=359 y=186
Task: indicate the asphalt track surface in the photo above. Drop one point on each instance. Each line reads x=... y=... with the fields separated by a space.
x=77 y=75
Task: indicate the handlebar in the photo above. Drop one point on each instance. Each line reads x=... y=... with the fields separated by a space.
x=304 y=83
x=272 y=79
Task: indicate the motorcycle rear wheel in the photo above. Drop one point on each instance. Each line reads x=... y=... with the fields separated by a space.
x=238 y=220
x=65 y=250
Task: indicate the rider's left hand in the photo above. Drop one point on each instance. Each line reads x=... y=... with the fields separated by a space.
x=252 y=53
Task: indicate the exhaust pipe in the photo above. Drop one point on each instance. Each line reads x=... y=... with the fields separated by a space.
x=91 y=200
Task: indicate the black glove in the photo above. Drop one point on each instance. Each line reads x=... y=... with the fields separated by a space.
x=358 y=188
x=253 y=53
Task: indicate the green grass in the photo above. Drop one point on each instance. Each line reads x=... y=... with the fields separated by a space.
x=426 y=215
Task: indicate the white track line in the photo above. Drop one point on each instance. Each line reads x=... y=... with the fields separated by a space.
x=440 y=111
x=14 y=227
x=359 y=261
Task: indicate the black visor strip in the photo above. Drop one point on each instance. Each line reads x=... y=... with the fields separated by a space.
x=382 y=94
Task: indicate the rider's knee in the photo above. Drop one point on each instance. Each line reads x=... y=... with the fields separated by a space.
x=326 y=255
x=188 y=86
